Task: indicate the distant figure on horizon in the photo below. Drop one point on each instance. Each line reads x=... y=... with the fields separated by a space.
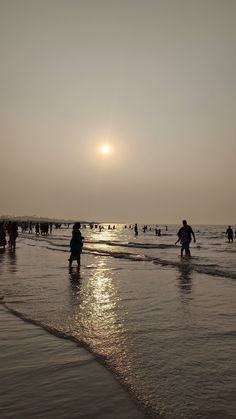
x=3 y=241
x=76 y=245
x=230 y=234
x=13 y=234
x=135 y=229
x=185 y=234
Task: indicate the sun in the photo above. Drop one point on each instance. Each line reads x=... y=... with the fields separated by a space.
x=105 y=149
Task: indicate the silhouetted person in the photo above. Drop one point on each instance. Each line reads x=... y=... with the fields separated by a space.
x=76 y=245
x=135 y=229
x=3 y=241
x=37 y=228
x=13 y=234
x=230 y=234
x=185 y=234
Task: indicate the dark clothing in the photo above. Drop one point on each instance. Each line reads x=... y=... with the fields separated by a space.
x=185 y=234
x=76 y=245
x=13 y=234
x=230 y=233
x=3 y=241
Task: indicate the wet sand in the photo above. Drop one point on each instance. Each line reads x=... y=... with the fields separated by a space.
x=43 y=376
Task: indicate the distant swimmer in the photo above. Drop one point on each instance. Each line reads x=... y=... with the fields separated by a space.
x=135 y=229
x=230 y=234
x=185 y=234
x=76 y=245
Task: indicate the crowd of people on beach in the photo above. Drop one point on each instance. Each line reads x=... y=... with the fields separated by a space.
x=10 y=229
x=185 y=235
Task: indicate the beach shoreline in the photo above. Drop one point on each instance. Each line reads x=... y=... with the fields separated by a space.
x=150 y=334
x=36 y=383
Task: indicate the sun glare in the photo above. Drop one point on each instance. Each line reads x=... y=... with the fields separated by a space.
x=105 y=149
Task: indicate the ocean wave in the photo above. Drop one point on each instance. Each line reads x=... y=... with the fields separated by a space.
x=209 y=269
x=212 y=270
x=119 y=255
x=151 y=246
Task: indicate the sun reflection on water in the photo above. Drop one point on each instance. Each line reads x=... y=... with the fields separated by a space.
x=96 y=316
x=98 y=319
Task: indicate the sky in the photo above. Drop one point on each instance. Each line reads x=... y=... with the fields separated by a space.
x=153 y=79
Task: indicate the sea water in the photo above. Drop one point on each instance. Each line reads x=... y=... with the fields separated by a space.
x=163 y=326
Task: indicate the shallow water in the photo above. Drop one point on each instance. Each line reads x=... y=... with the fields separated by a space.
x=164 y=327
x=46 y=377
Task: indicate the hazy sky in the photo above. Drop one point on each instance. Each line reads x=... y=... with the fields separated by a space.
x=156 y=79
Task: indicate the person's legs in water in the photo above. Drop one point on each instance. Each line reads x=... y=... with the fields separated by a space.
x=78 y=261
x=187 y=250
x=70 y=262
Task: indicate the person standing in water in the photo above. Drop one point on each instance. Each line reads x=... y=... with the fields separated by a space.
x=135 y=229
x=76 y=245
x=3 y=241
x=13 y=234
x=185 y=234
x=230 y=234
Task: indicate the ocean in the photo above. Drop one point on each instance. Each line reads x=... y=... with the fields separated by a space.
x=162 y=326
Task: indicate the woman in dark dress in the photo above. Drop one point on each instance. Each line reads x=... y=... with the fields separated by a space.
x=76 y=245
